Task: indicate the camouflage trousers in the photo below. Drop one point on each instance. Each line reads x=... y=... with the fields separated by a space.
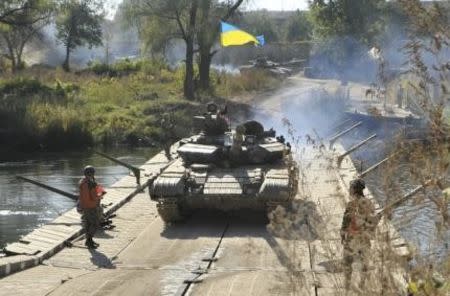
x=91 y=221
x=356 y=249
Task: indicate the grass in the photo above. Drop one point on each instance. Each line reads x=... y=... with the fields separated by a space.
x=123 y=103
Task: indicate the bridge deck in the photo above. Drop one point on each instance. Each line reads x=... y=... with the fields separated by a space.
x=209 y=254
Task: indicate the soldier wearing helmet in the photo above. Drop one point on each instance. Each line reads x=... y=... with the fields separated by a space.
x=89 y=203
x=215 y=121
x=358 y=225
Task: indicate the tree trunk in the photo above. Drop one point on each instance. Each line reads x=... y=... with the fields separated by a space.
x=13 y=64
x=207 y=37
x=204 y=68
x=11 y=54
x=189 y=89
x=19 y=54
x=66 y=64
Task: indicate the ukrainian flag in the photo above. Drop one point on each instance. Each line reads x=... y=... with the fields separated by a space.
x=232 y=35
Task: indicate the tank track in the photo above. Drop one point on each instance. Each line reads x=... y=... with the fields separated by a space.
x=169 y=210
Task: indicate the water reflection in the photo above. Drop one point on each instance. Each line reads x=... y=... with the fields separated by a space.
x=24 y=206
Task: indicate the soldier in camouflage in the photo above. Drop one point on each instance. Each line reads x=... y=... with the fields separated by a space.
x=358 y=227
x=169 y=136
x=89 y=202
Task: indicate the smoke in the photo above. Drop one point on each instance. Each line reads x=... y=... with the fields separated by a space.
x=302 y=108
x=50 y=51
x=343 y=58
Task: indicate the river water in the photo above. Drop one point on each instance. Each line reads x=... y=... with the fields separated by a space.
x=24 y=206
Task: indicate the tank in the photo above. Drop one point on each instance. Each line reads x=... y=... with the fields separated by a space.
x=226 y=169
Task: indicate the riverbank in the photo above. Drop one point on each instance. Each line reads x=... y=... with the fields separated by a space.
x=51 y=110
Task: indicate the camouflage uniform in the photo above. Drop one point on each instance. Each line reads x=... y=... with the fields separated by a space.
x=91 y=221
x=358 y=225
x=89 y=203
x=168 y=136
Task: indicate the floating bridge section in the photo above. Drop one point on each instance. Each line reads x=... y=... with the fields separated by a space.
x=209 y=254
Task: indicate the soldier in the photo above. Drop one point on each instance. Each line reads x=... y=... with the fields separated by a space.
x=215 y=121
x=168 y=136
x=358 y=225
x=89 y=203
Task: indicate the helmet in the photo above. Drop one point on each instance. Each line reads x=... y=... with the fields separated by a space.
x=211 y=107
x=357 y=186
x=89 y=170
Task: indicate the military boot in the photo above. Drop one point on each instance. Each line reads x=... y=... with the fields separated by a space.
x=90 y=243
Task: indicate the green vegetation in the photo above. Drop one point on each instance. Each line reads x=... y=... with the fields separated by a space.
x=78 y=24
x=104 y=104
x=359 y=19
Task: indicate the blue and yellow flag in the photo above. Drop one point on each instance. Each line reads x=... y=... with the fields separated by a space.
x=232 y=35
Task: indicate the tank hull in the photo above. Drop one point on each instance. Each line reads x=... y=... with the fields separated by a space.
x=254 y=171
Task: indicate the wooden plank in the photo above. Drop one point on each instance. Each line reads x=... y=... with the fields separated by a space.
x=55 y=240
x=51 y=233
x=61 y=229
x=19 y=248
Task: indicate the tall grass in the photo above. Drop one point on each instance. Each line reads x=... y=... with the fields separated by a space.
x=121 y=103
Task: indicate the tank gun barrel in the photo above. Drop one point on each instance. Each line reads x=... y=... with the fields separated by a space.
x=50 y=188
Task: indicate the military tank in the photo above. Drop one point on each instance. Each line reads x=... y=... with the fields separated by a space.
x=226 y=169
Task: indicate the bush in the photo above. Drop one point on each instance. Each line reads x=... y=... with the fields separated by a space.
x=107 y=104
x=248 y=81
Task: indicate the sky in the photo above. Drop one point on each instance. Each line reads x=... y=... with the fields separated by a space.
x=277 y=4
x=252 y=5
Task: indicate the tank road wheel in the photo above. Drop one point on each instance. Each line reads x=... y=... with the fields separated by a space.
x=169 y=210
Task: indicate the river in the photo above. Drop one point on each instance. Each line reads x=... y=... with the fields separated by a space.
x=23 y=206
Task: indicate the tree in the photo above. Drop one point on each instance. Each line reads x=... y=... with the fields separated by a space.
x=15 y=37
x=298 y=27
x=10 y=10
x=78 y=23
x=211 y=13
x=14 y=41
x=169 y=19
x=359 y=19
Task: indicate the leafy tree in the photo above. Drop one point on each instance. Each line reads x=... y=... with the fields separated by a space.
x=10 y=10
x=13 y=38
x=78 y=23
x=161 y=22
x=211 y=13
x=298 y=27
x=167 y=20
x=260 y=23
x=359 y=19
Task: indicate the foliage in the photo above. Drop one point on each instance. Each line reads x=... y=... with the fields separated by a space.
x=63 y=110
x=427 y=51
x=21 y=25
x=12 y=10
x=211 y=13
x=359 y=19
x=260 y=23
x=181 y=16
x=251 y=81
x=78 y=23
x=298 y=27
